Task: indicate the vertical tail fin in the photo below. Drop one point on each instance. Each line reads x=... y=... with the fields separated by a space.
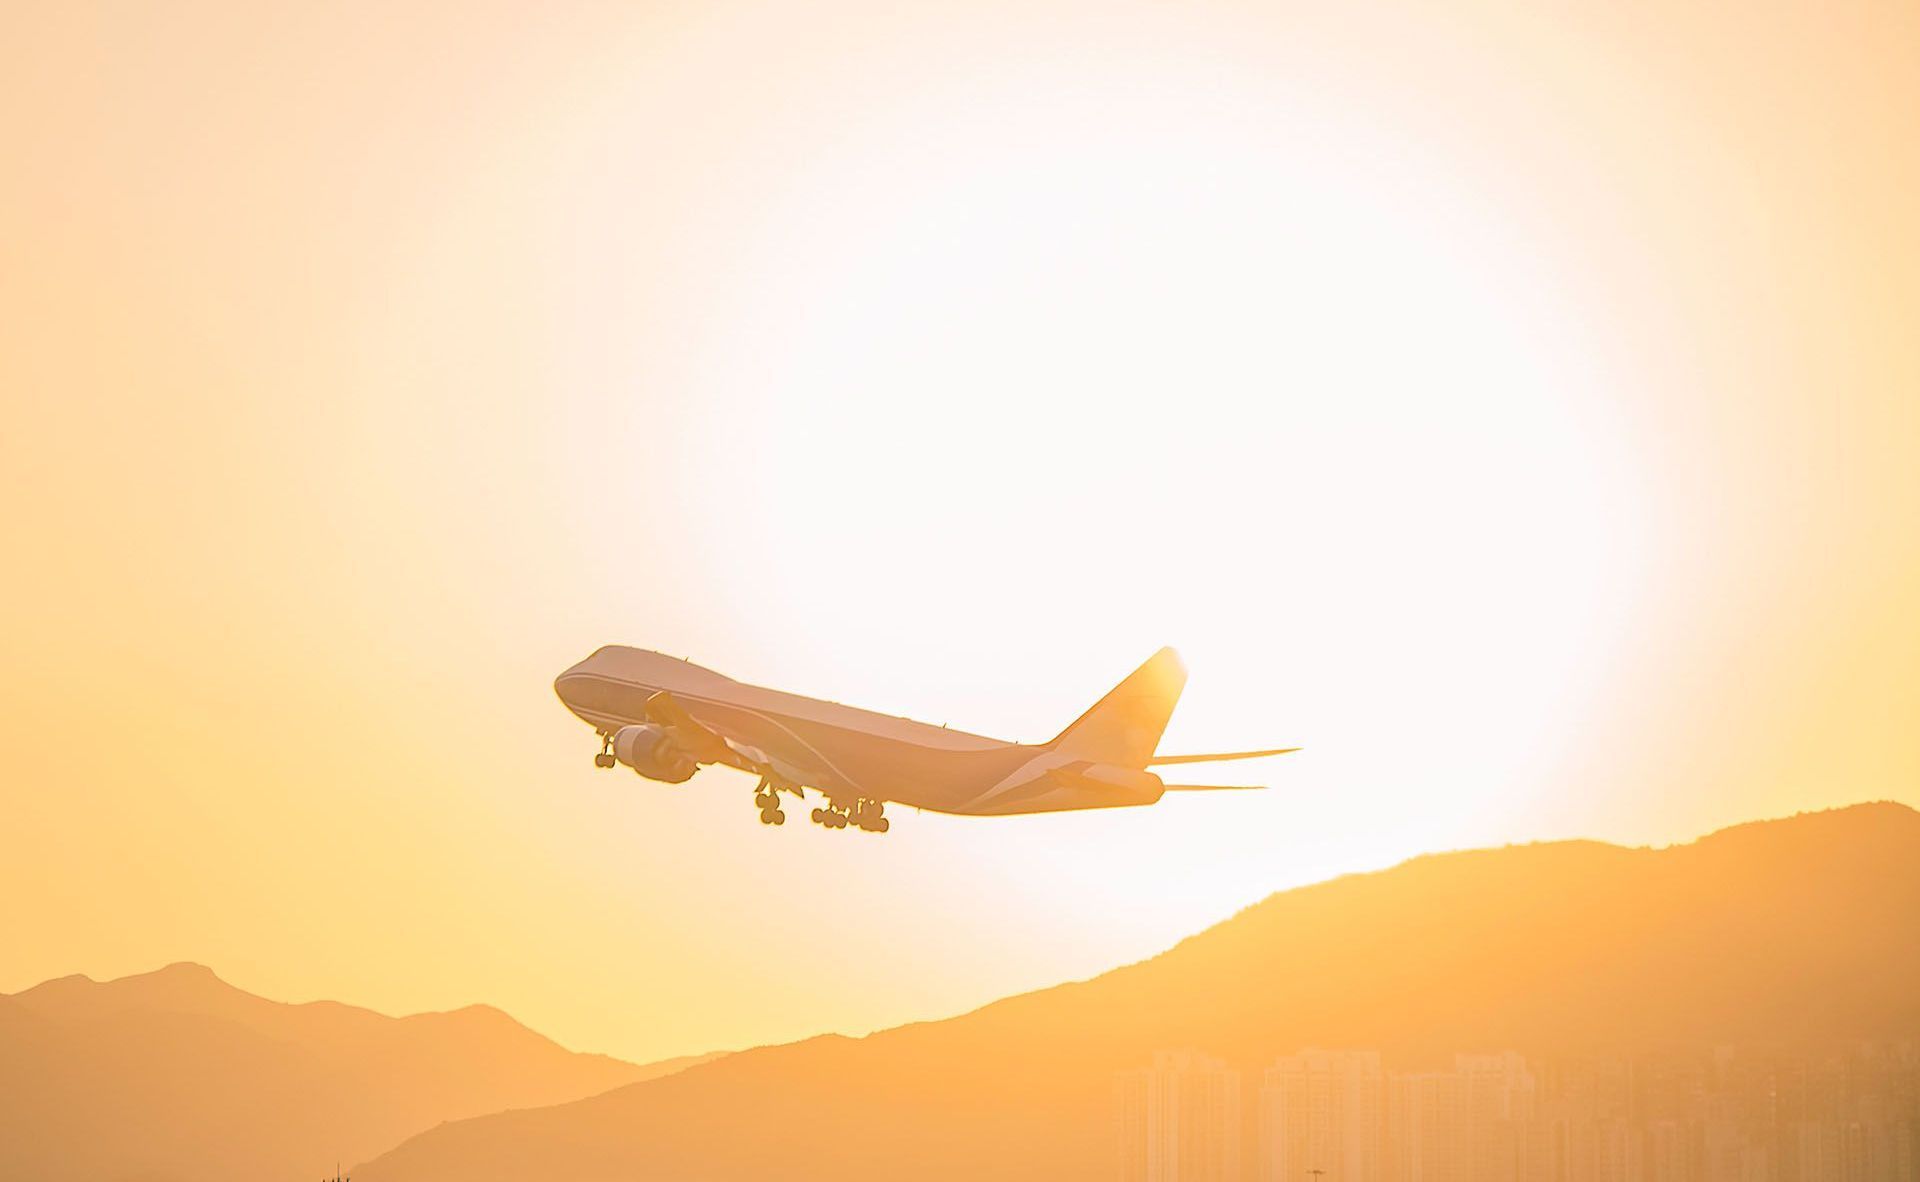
x=1124 y=727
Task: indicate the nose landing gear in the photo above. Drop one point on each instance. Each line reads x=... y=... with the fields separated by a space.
x=605 y=758
x=767 y=798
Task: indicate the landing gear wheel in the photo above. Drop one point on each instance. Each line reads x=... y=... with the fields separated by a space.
x=870 y=816
x=766 y=800
x=779 y=818
x=766 y=816
x=603 y=759
x=819 y=816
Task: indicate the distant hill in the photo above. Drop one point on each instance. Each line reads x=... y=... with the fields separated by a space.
x=1806 y=928
x=176 y=1075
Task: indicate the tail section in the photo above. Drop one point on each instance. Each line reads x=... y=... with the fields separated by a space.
x=1124 y=727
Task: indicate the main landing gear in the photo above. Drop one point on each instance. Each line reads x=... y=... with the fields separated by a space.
x=869 y=815
x=767 y=797
x=605 y=758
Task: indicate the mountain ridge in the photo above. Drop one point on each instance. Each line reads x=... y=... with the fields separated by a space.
x=1549 y=947
x=176 y=1073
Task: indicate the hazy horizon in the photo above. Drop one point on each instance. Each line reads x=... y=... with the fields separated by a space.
x=483 y=1003
x=1688 y=1012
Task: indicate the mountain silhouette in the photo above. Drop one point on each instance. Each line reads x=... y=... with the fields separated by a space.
x=1794 y=930
x=176 y=1075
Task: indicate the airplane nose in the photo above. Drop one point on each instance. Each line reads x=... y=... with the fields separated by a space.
x=585 y=689
x=563 y=686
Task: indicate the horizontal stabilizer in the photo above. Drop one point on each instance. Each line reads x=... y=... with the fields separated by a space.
x=1215 y=787
x=1217 y=757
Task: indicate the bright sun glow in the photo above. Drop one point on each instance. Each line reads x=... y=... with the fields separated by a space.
x=1014 y=397
x=1237 y=389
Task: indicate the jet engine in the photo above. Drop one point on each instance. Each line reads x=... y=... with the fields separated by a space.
x=651 y=751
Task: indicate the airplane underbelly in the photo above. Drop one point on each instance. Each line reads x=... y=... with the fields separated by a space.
x=1061 y=800
x=1079 y=784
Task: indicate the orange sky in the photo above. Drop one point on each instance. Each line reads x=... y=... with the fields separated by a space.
x=1520 y=411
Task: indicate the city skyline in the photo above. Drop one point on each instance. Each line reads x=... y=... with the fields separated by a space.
x=1846 y=1112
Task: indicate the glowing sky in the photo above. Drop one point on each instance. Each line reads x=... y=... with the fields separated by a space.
x=1519 y=411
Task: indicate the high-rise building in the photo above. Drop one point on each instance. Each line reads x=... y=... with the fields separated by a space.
x=1475 y=1123
x=1323 y=1110
x=1500 y=1116
x=1427 y=1128
x=1179 y=1120
x=1816 y=1151
x=1582 y=1123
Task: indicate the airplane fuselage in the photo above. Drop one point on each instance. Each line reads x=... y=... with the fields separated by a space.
x=846 y=753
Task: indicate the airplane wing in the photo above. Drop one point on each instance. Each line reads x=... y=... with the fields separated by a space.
x=712 y=743
x=1216 y=757
x=701 y=741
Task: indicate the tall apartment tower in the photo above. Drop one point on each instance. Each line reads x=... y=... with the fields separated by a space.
x=1323 y=1110
x=1427 y=1128
x=1501 y=1141
x=1179 y=1120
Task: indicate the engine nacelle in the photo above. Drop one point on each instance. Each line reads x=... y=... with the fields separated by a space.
x=651 y=751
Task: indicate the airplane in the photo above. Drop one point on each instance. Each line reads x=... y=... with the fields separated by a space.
x=665 y=718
